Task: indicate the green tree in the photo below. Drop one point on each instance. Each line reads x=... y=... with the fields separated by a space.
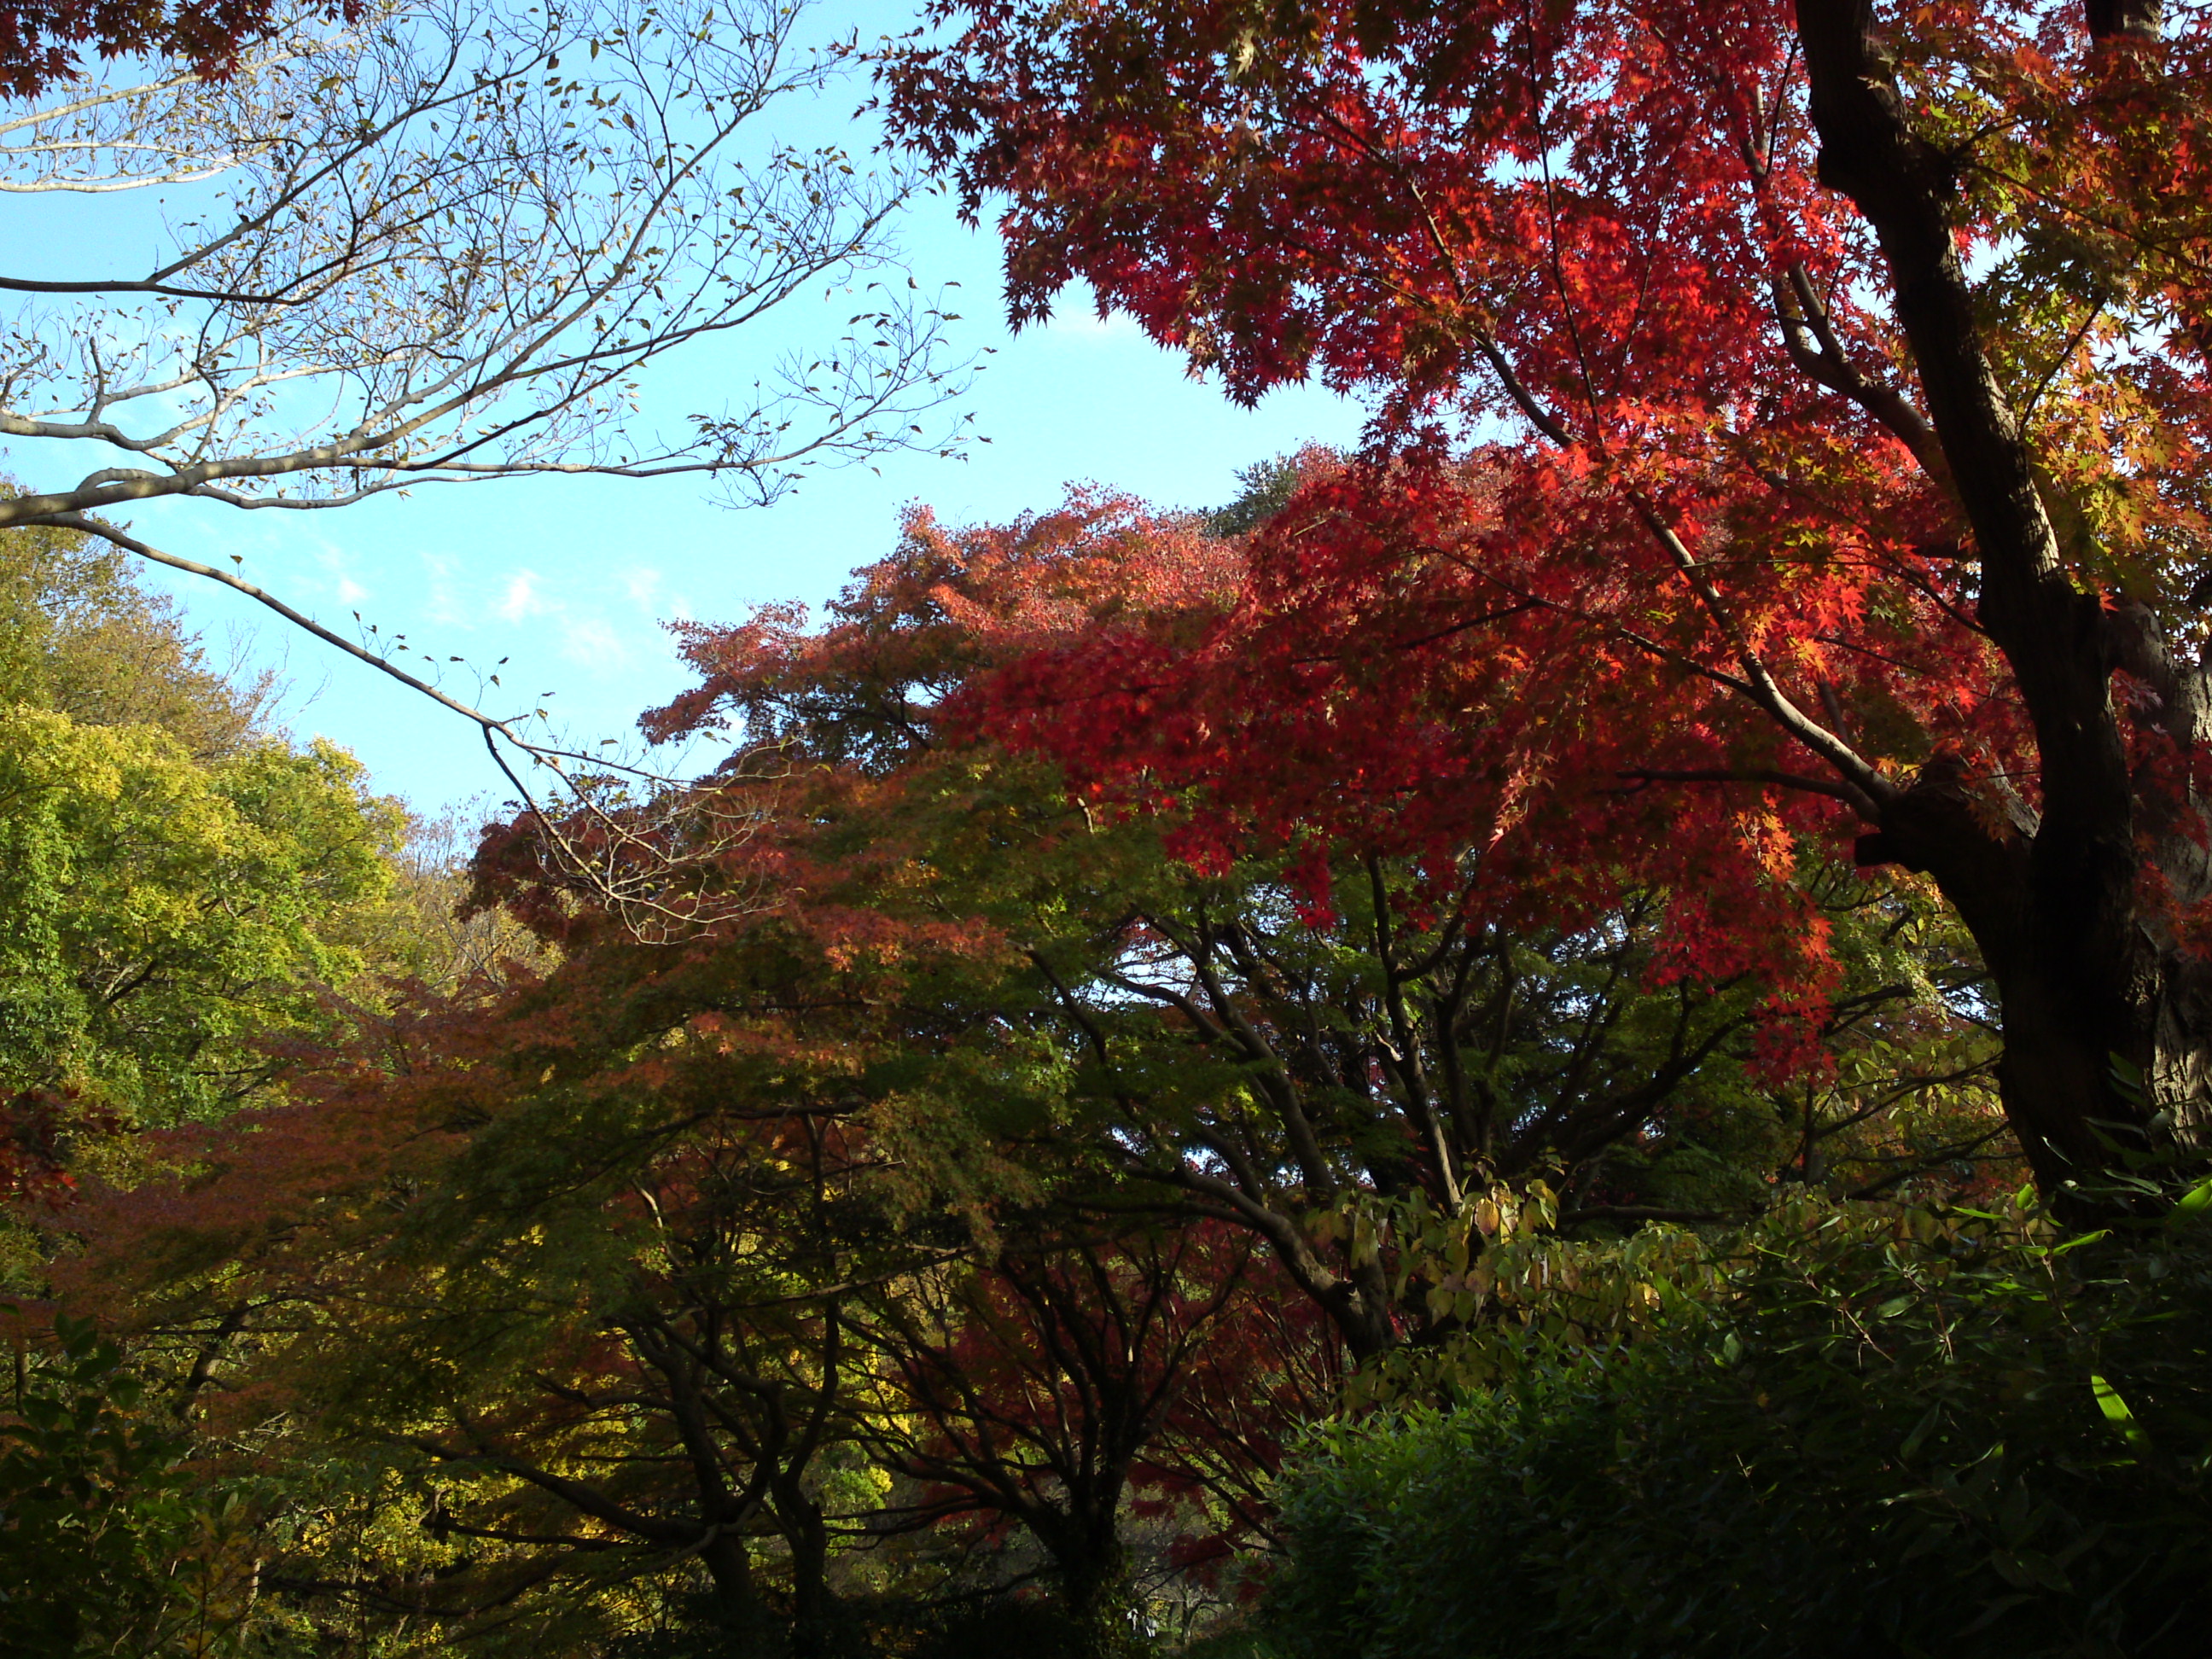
x=556 y=1272
x=181 y=885
x=170 y=917
x=109 y=1541
x=79 y=636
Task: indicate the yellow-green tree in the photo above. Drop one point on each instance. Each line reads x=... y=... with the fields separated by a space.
x=180 y=885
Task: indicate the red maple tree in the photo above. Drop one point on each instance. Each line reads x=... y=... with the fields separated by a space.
x=1033 y=1393
x=39 y=39
x=1430 y=974
x=1272 y=1366
x=1790 y=424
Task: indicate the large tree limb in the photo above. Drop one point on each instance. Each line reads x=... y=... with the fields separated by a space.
x=2056 y=916
x=2048 y=630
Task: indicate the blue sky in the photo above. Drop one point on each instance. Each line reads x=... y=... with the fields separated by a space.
x=572 y=578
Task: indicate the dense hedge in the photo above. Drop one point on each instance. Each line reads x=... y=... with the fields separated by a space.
x=1867 y=1432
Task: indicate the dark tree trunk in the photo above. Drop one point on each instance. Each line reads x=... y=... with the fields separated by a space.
x=2125 y=19
x=729 y=1568
x=1360 y=1307
x=814 y=1609
x=2084 y=975
x=1093 y=1570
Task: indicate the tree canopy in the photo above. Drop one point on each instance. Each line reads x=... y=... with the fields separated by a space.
x=184 y=887
x=1853 y=370
x=1587 y=1025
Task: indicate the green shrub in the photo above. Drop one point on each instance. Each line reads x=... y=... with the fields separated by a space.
x=1860 y=1432
x=110 y=1542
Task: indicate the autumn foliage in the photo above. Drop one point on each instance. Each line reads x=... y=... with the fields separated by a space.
x=1626 y=924
x=40 y=44
x=1856 y=379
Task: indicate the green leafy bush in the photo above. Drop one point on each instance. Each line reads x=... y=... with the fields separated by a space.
x=110 y=1543
x=1853 y=1430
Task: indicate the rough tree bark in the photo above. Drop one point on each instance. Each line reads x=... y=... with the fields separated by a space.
x=2084 y=973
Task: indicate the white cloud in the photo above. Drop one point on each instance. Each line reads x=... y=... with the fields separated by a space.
x=440 y=603
x=1082 y=322
x=340 y=580
x=1075 y=316
x=521 y=597
x=592 y=642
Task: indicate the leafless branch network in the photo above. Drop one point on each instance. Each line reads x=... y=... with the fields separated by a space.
x=444 y=248
x=445 y=245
